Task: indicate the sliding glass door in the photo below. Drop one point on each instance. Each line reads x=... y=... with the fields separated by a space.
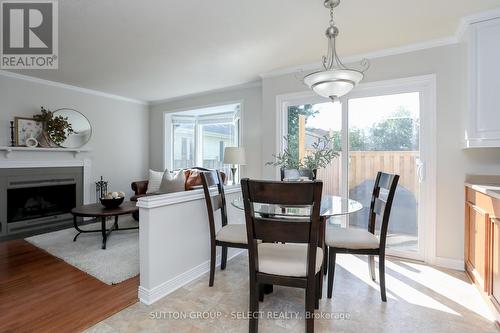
x=384 y=132
x=376 y=128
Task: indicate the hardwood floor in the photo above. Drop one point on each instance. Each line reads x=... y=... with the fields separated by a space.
x=41 y=293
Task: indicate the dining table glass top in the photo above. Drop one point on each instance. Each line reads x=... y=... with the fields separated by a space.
x=331 y=205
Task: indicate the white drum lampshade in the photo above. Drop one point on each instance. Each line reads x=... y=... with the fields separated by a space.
x=234 y=156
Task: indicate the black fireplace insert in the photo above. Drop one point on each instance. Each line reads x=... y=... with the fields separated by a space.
x=29 y=203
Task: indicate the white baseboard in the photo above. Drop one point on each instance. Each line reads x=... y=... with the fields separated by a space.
x=150 y=296
x=449 y=263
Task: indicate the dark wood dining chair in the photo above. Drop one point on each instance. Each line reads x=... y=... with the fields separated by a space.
x=283 y=250
x=364 y=242
x=229 y=235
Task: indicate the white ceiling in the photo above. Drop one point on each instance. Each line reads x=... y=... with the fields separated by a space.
x=158 y=49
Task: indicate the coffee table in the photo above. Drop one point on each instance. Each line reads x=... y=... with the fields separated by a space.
x=99 y=211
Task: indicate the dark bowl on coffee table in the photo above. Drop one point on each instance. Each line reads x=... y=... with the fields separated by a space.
x=111 y=203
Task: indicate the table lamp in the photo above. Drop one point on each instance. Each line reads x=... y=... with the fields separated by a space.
x=234 y=156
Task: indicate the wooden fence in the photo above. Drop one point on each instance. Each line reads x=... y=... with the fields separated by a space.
x=363 y=165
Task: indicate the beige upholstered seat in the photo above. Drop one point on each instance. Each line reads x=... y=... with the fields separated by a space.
x=286 y=259
x=233 y=233
x=351 y=238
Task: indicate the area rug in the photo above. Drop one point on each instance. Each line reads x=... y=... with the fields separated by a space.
x=119 y=262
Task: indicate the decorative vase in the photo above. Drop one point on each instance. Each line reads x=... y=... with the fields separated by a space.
x=31 y=142
x=297 y=174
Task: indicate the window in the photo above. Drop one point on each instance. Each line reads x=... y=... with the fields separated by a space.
x=215 y=137
x=183 y=144
x=199 y=137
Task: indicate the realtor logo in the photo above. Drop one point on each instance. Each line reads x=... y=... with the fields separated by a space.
x=29 y=34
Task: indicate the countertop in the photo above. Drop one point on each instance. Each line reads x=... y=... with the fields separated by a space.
x=493 y=190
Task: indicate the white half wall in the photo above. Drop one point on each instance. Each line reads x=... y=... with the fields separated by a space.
x=174 y=240
x=119 y=144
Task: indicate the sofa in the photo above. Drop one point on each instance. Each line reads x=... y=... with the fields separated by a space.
x=193 y=182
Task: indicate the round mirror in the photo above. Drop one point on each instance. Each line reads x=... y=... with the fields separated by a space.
x=82 y=130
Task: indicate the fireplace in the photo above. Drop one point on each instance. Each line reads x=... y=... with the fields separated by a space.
x=27 y=203
x=38 y=200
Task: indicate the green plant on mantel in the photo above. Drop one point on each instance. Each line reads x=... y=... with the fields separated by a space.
x=320 y=156
x=58 y=128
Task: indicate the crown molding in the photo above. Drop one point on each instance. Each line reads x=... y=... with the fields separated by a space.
x=248 y=85
x=450 y=40
x=369 y=55
x=70 y=87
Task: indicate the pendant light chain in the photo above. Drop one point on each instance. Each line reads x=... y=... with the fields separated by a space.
x=336 y=79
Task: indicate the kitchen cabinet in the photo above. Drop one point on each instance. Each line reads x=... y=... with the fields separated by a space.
x=482 y=241
x=482 y=119
x=476 y=253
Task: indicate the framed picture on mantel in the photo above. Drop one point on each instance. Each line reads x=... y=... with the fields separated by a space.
x=26 y=128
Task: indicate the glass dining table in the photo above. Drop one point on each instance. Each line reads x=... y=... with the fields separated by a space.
x=331 y=206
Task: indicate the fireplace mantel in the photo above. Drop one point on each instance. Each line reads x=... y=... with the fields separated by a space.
x=8 y=150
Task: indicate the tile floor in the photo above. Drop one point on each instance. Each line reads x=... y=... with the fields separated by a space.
x=421 y=299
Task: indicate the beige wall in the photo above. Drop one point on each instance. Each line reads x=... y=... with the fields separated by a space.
x=119 y=143
x=251 y=98
x=448 y=63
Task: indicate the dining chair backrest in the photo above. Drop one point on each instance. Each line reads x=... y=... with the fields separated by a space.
x=215 y=198
x=381 y=206
x=274 y=228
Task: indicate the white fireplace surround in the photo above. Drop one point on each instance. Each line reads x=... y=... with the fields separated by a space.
x=85 y=163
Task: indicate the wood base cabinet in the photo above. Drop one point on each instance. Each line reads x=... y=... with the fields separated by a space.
x=476 y=255
x=482 y=243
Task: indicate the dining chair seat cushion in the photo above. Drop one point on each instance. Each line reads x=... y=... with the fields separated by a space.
x=286 y=259
x=233 y=233
x=351 y=238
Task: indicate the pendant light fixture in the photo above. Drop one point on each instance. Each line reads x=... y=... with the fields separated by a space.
x=335 y=79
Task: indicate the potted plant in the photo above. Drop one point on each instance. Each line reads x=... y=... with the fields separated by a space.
x=55 y=129
x=319 y=156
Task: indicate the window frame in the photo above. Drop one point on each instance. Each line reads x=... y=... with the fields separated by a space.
x=198 y=121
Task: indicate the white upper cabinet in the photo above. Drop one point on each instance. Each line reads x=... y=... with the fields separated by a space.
x=482 y=121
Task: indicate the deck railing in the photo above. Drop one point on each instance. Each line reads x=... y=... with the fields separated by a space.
x=364 y=165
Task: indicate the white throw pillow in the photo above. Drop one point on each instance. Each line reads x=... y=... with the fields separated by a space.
x=173 y=182
x=154 y=181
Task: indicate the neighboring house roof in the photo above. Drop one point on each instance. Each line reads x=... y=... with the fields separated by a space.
x=313 y=134
x=218 y=128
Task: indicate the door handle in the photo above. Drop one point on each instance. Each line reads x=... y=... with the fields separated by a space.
x=420 y=170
